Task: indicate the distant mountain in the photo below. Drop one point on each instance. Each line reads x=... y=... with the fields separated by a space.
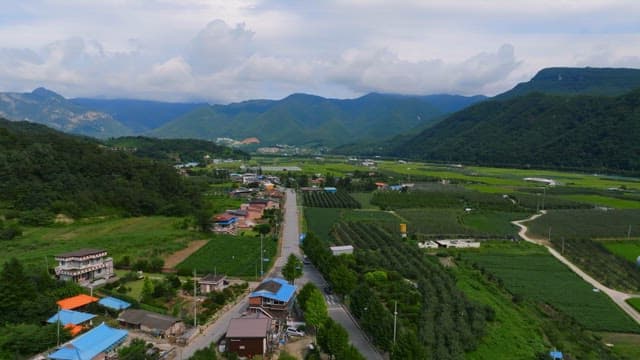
x=589 y=132
x=584 y=81
x=46 y=107
x=302 y=119
x=138 y=115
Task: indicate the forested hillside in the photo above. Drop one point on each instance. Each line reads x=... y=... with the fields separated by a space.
x=45 y=172
x=578 y=81
x=587 y=132
x=302 y=119
x=175 y=150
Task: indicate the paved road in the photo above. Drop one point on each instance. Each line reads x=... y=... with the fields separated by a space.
x=290 y=245
x=618 y=297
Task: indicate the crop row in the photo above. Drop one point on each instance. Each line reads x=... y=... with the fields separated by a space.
x=323 y=199
x=542 y=278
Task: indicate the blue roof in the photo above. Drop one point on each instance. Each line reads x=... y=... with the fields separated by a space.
x=556 y=354
x=70 y=317
x=114 y=303
x=102 y=338
x=283 y=293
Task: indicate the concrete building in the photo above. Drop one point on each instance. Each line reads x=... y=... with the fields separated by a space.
x=84 y=266
x=342 y=250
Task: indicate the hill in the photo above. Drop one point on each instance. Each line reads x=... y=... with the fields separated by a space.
x=301 y=119
x=138 y=115
x=46 y=107
x=175 y=150
x=46 y=172
x=584 y=81
x=588 y=132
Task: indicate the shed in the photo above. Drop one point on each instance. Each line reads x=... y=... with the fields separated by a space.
x=211 y=282
x=342 y=250
x=154 y=323
x=114 y=303
x=330 y=189
x=77 y=301
x=67 y=317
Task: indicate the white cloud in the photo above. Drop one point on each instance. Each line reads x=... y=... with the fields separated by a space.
x=219 y=50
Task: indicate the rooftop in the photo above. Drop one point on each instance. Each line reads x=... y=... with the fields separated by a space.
x=100 y=339
x=212 y=278
x=276 y=289
x=67 y=317
x=248 y=328
x=80 y=253
x=147 y=318
x=74 y=302
x=114 y=303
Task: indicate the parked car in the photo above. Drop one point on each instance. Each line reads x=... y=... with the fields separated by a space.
x=328 y=290
x=291 y=331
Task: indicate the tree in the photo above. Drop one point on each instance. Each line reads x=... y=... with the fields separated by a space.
x=286 y=356
x=147 y=290
x=205 y=354
x=262 y=229
x=292 y=269
x=316 y=309
x=343 y=279
x=332 y=338
x=304 y=295
x=138 y=350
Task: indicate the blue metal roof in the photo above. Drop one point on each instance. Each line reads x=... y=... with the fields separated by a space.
x=284 y=293
x=114 y=303
x=102 y=338
x=556 y=355
x=67 y=317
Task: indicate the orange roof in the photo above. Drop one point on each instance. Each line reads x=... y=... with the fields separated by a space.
x=75 y=302
x=73 y=329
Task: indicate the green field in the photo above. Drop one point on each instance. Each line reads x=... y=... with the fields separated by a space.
x=133 y=237
x=230 y=255
x=586 y=224
x=497 y=223
x=599 y=200
x=320 y=221
x=627 y=249
x=364 y=199
x=635 y=302
x=540 y=277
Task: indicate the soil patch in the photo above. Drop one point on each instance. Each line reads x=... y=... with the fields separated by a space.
x=177 y=257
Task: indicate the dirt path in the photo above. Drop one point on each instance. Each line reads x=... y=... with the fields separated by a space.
x=177 y=257
x=618 y=297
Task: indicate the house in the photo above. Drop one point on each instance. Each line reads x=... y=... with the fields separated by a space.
x=224 y=224
x=248 y=337
x=76 y=302
x=153 y=323
x=84 y=266
x=211 y=282
x=75 y=321
x=330 y=189
x=94 y=344
x=273 y=297
x=341 y=250
x=267 y=203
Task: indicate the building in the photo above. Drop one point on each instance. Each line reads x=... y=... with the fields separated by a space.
x=341 y=250
x=211 y=282
x=75 y=321
x=114 y=303
x=153 y=323
x=273 y=297
x=248 y=337
x=458 y=243
x=94 y=344
x=76 y=302
x=84 y=266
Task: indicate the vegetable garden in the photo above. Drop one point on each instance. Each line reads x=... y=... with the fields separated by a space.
x=323 y=199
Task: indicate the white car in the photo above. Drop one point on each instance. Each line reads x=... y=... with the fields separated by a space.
x=291 y=331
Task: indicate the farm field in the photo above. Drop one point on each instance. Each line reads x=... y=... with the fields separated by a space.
x=230 y=255
x=133 y=237
x=626 y=249
x=542 y=278
x=586 y=224
x=320 y=220
x=364 y=199
x=635 y=302
x=323 y=199
x=599 y=200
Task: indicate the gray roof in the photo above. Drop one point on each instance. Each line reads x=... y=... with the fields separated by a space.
x=83 y=252
x=147 y=318
x=248 y=328
x=211 y=278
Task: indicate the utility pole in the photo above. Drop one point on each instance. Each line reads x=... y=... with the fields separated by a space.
x=549 y=233
x=563 y=245
x=195 y=301
x=58 y=323
x=395 y=321
x=261 y=257
x=629 y=232
x=544 y=196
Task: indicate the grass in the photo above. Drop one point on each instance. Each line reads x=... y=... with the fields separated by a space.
x=629 y=250
x=320 y=221
x=542 y=278
x=364 y=199
x=635 y=303
x=626 y=346
x=231 y=255
x=493 y=222
x=599 y=200
x=134 y=237
x=586 y=224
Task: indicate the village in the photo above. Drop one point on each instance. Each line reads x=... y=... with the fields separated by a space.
x=102 y=321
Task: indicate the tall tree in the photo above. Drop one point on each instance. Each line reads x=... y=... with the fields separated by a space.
x=332 y=338
x=292 y=269
x=316 y=309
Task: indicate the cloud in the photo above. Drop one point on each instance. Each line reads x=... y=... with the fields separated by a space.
x=219 y=46
x=383 y=71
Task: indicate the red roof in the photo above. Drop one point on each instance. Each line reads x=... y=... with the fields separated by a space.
x=75 y=302
x=223 y=217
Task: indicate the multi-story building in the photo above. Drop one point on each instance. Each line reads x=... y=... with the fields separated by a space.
x=273 y=297
x=84 y=266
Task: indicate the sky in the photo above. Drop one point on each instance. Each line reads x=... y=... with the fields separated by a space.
x=223 y=51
